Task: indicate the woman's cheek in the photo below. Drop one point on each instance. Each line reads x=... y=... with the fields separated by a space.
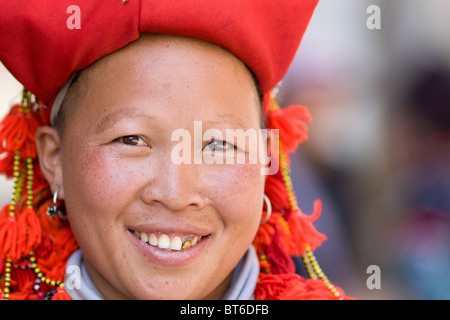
x=234 y=191
x=98 y=178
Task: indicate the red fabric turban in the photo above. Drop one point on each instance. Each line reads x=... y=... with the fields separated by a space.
x=42 y=42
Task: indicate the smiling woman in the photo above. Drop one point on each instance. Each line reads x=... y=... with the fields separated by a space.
x=140 y=225
x=133 y=153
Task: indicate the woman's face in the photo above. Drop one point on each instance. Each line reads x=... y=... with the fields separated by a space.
x=121 y=185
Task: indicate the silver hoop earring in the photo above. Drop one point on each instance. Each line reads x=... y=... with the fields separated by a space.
x=52 y=210
x=269 y=209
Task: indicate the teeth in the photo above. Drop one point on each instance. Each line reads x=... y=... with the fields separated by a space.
x=153 y=240
x=187 y=243
x=175 y=244
x=144 y=237
x=165 y=242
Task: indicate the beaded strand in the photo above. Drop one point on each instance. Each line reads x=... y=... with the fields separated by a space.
x=41 y=275
x=318 y=270
x=310 y=261
x=6 y=292
x=16 y=192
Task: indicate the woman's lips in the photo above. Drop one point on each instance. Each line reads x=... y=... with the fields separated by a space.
x=169 y=248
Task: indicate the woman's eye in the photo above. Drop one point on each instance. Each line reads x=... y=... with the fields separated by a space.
x=219 y=145
x=132 y=140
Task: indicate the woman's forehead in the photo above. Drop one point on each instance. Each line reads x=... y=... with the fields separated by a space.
x=163 y=49
x=174 y=75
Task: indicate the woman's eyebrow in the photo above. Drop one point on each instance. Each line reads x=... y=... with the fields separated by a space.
x=227 y=119
x=108 y=120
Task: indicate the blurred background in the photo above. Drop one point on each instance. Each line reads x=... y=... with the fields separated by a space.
x=379 y=149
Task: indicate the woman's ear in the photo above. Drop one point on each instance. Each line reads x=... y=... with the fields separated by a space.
x=48 y=148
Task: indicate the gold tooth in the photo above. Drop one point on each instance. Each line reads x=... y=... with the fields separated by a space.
x=187 y=243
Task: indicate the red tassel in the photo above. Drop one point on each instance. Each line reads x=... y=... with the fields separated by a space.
x=17 y=131
x=64 y=244
x=291 y=124
x=45 y=248
x=280 y=262
x=264 y=235
x=30 y=229
x=25 y=293
x=23 y=277
x=303 y=231
x=61 y=294
x=276 y=191
x=269 y=287
x=294 y=287
x=9 y=236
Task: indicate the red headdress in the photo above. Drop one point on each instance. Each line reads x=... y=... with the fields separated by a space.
x=42 y=43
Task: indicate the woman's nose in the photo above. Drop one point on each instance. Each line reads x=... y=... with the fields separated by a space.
x=176 y=186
